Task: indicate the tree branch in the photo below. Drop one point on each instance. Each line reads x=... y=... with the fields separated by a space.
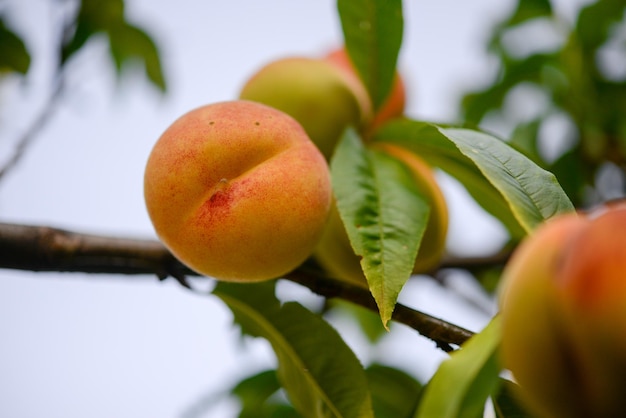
x=36 y=126
x=41 y=248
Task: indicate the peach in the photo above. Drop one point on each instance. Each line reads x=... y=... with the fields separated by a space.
x=237 y=191
x=319 y=96
x=563 y=308
x=395 y=103
x=334 y=252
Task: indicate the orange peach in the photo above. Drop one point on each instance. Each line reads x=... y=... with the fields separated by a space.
x=395 y=103
x=237 y=191
x=319 y=96
x=563 y=309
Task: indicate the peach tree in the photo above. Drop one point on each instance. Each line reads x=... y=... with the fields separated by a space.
x=562 y=313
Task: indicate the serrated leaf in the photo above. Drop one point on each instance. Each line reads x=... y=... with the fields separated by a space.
x=462 y=383
x=13 y=53
x=384 y=214
x=373 y=35
x=319 y=372
x=426 y=141
x=484 y=164
x=394 y=392
x=533 y=193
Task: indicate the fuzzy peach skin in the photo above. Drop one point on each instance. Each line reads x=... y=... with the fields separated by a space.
x=563 y=308
x=395 y=103
x=237 y=191
x=334 y=252
x=323 y=99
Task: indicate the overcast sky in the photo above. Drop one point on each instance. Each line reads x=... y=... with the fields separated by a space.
x=107 y=346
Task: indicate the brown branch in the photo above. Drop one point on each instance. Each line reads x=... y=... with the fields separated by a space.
x=473 y=263
x=441 y=332
x=40 y=248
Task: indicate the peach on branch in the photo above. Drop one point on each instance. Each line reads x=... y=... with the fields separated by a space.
x=318 y=95
x=563 y=308
x=334 y=251
x=395 y=103
x=236 y=190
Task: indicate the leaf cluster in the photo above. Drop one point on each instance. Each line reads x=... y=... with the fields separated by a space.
x=572 y=76
x=83 y=21
x=385 y=217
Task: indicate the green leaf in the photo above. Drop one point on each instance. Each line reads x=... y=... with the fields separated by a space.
x=129 y=43
x=505 y=403
x=13 y=53
x=533 y=193
x=367 y=320
x=384 y=214
x=529 y=9
x=94 y=16
x=254 y=390
x=394 y=392
x=462 y=384
x=271 y=410
x=373 y=35
x=126 y=41
x=596 y=20
x=259 y=397
x=531 y=69
x=319 y=372
x=427 y=141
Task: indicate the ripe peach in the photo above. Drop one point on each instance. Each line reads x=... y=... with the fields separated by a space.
x=563 y=308
x=395 y=103
x=334 y=252
x=323 y=99
x=236 y=190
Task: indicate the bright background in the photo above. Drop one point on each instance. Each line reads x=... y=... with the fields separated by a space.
x=113 y=346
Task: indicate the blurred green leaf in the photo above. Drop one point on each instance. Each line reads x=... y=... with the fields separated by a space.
x=524 y=139
x=255 y=395
x=373 y=36
x=384 y=214
x=131 y=43
x=595 y=21
x=533 y=193
x=319 y=372
x=368 y=321
x=254 y=390
x=462 y=383
x=505 y=402
x=94 y=16
x=572 y=173
x=271 y=410
x=531 y=69
x=529 y=9
x=426 y=140
x=127 y=42
x=394 y=392
x=13 y=53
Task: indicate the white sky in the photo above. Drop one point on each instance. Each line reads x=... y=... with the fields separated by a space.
x=76 y=346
